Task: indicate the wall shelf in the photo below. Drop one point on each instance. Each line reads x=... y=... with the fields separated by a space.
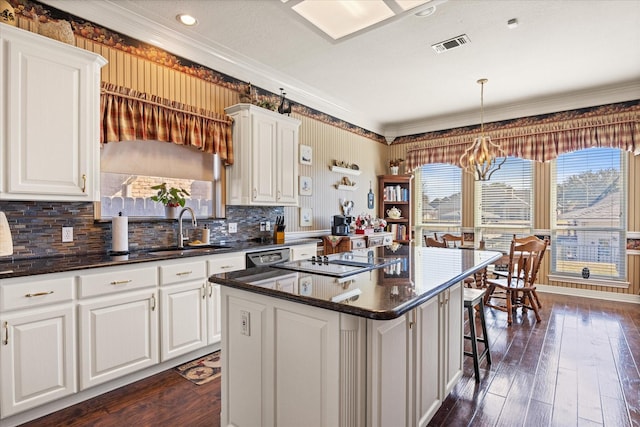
x=345 y=171
x=346 y=187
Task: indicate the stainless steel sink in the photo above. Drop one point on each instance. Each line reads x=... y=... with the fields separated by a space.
x=189 y=250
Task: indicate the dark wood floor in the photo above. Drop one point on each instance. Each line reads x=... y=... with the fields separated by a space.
x=579 y=367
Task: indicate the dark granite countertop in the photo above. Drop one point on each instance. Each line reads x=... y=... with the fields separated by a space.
x=383 y=293
x=44 y=265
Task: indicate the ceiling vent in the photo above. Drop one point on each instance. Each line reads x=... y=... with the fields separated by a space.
x=451 y=43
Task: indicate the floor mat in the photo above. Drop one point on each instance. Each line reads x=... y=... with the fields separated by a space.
x=202 y=370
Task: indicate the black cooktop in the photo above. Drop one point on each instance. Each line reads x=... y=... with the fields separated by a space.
x=338 y=265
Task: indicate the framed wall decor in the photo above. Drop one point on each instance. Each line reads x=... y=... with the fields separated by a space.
x=306 y=186
x=306 y=217
x=306 y=155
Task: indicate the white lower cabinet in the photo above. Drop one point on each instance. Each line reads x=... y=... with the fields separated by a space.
x=451 y=335
x=38 y=346
x=225 y=263
x=287 y=378
x=184 y=319
x=118 y=336
x=214 y=314
x=415 y=361
x=285 y=362
x=184 y=294
x=389 y=355
x=37 y=357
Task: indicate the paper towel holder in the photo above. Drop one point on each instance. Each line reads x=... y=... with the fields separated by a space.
x=120 y=252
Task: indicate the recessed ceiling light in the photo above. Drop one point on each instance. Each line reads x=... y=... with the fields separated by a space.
x=426 y=12
x=188 y=20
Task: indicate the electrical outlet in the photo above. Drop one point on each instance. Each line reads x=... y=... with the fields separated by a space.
x=267 y=226
x=67 y=234
x=245 y=323
x=233 y=227
x=263 y=226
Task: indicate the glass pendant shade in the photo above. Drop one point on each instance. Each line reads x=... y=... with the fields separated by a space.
x=480 y=159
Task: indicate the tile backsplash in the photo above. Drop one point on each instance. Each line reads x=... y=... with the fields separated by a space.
x=36 y=228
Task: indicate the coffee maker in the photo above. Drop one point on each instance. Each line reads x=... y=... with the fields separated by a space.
x=341 y=225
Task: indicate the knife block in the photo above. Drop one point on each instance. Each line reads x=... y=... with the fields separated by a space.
x=278 y=236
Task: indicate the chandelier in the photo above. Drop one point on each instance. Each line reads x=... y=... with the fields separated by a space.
x=479 y=159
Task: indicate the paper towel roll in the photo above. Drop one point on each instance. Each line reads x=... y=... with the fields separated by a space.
x=120 y=231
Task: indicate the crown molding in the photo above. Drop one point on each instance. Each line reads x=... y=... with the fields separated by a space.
x=627 y=91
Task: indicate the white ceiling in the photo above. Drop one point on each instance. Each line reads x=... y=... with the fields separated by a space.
x=563 y=55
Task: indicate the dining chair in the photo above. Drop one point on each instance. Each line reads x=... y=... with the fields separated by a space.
x=433 y=243
x=526 y=239
x=518 y=288
x=453 y=241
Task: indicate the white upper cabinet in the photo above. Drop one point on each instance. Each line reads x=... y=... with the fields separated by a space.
x=265 y=145
x=49 y=119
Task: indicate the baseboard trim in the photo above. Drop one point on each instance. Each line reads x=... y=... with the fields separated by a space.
x=587 y=293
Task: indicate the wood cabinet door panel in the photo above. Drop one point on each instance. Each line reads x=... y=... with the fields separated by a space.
x=38 y=362
x=118 y=336
x=264 y=159
x=52 y=106
x=184 y=319
x=287 y=164
x=389 y=349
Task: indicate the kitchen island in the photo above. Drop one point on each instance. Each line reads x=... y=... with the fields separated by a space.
x=376 y=348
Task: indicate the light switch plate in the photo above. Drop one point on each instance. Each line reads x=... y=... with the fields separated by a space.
x=233 y=227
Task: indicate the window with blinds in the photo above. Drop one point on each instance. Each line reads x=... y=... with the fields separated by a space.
x=504 y=204
x=588 y=217
x=439 y=204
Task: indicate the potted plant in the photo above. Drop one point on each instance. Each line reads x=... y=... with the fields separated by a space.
x=171 y=198
x=394 y=166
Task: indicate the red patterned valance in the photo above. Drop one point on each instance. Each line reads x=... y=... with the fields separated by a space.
x=539 y=138
x=127 y=115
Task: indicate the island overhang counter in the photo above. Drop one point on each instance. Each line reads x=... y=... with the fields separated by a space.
x=381 y=347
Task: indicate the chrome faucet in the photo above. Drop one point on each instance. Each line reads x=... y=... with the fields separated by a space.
x=181 y=237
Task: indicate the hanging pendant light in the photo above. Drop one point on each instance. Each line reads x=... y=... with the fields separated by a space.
x=480 y=159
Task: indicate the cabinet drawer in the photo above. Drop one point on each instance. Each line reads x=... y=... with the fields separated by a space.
x=226 y=263
x=25 y=293
x=375 y=241
x=382 y=240
x=181 y=272
x=109 y=282
x=358 y=243
x=303 y=252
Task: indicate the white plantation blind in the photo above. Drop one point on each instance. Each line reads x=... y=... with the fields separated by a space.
x=504 y=204
x=588 y=218
x=439 y=201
